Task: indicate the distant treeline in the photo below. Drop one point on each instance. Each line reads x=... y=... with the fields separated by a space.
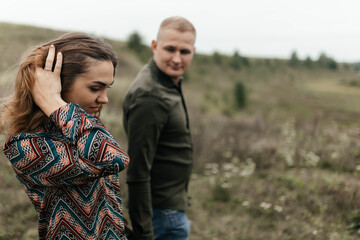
x=237 y=61
x=323 y=61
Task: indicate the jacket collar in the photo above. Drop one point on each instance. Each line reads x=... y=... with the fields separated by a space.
x=162 y=77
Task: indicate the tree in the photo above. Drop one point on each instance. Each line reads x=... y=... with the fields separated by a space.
x=308 y=62
x=135 y=42
x=245 y=61
x=322 y=60
x=332 y=64
x=240 y=95
x=294 y=60
x=217 y=58
x=327 y=62
x=236 y=61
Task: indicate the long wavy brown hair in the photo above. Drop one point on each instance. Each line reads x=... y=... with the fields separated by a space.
x=19 y=113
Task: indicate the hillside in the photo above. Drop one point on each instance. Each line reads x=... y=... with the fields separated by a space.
x=285 y=166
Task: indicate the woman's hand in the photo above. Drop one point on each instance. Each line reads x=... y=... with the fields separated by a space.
x=46 y=91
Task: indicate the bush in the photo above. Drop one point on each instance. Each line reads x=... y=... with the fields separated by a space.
x=327 y=62
x=217 y=58
x=308 y=62
x=355 y=223
x=236 y=61
x=221 y=194
x=240 y=95
x=294 y=60
x=135 y=43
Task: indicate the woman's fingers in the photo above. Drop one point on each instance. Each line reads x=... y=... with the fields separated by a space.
x=58 y=64
x=46 y=91
x=50 y=59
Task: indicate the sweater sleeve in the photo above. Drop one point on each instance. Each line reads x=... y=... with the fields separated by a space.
x=84 y=151
x=144 y=122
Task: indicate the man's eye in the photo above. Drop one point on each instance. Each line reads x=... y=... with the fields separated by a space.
x=170 y=49
x=185 y=51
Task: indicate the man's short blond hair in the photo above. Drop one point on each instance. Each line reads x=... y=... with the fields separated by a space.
x=178 y=23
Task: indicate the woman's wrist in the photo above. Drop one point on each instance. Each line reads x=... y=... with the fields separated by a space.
x=50 y=106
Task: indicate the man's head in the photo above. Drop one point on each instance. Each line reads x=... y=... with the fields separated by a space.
x=174 y=48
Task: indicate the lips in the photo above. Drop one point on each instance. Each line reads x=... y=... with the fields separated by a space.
x=95 y=109
x=175 y=68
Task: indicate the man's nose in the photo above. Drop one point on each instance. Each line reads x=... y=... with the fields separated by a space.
x=177 y=57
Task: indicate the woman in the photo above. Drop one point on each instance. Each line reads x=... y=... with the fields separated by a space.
x=66 y=160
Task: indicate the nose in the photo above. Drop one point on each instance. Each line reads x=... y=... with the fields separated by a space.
x=103 y=99
x=177 y=57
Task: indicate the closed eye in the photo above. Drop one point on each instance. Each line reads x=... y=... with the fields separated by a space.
x=95 y=89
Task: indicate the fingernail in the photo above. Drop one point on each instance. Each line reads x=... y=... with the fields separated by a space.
x=52 y=46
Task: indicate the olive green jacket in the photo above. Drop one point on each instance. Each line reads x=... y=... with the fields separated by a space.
x=159 y=145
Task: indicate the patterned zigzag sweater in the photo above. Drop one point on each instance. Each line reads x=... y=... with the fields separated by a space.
x=69 y=169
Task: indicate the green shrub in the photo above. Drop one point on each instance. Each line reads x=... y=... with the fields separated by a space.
x=135 y=43
x=294 y=60
x=240 y=95
x=221 y=193
x=308 y=62
x=236 y=61
x=217 y=58
x=355 y=223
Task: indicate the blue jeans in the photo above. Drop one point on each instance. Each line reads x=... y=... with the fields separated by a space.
x=170 y=224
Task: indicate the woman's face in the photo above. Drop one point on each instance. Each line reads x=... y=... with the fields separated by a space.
x=90 y=89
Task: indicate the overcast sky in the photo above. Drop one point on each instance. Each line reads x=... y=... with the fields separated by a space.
x=255 y=28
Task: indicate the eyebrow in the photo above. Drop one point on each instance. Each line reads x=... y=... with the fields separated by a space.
x=103 y=84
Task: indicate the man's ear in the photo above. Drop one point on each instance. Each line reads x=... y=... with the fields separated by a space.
x=154 y=45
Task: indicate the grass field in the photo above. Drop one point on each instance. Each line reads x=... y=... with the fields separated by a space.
x=285 y=167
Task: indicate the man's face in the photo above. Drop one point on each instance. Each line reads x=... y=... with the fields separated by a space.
x=173 y=52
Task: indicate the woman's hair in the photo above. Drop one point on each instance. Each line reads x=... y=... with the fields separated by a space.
x=20 y=113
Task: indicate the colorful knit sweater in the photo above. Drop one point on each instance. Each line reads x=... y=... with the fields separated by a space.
x=69 y=169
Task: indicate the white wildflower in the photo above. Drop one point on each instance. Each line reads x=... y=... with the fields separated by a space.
x=278 y=208
x=214 y=171
x=235 y=170
x=227 y=154
x=212 y=180
x=235 y=160
x=311 y=159
x=228 y=166
x=227 y=175
x=211 y=165
x=265 y=205
x=249 y=168
x=334 y=155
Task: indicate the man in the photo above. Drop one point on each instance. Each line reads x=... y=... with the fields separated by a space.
x=157 y=125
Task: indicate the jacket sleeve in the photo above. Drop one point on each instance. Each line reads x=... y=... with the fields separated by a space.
x=144 y=122
x=84 y=151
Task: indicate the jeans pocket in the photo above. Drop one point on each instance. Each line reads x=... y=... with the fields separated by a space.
x=177 y=223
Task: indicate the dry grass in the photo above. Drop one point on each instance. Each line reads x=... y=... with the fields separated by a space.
x=286 y=167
